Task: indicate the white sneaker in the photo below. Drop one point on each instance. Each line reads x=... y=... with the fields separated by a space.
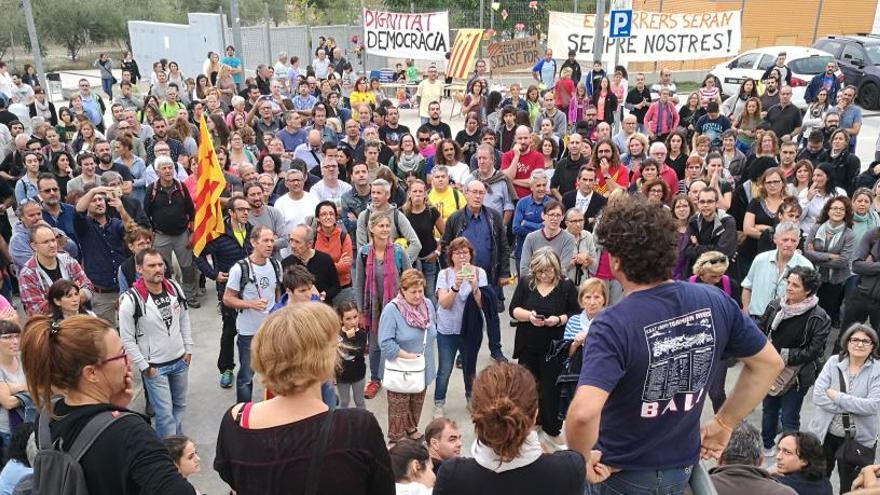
x=555 y=443
x=771 y=452
x=439 y=411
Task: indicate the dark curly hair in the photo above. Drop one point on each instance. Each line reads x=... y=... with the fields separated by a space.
x=642 y=236
x=809 y=449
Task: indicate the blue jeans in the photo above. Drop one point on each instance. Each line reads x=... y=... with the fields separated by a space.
x=447 y=347
x=430 y=270
x=244 y=381
x=789 y=404
x=107 y=86
x=167 y=391
x=666 y=482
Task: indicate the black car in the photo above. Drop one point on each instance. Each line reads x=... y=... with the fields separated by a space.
x=858 y=57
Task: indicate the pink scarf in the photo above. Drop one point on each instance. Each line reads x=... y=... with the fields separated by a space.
x=372 y=306
x=414 y=316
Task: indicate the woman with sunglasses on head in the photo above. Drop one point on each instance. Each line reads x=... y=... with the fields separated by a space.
x=846 y=388
x=710 y=268
x=83 y=356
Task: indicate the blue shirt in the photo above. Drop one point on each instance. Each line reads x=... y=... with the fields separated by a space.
x=851 y=116
x=655 y=352
x=479 y=233
x=291 y=140
x=300 y=103
x=103 y=249
x=526 y=219
x=64 y=221
x=547 y=71
x=235 y=63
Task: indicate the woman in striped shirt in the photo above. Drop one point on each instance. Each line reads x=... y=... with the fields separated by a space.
x=593 y=297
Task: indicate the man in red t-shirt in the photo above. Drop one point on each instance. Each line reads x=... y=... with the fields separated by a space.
x=518 y=163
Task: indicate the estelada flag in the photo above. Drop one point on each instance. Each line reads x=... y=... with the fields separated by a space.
x=467 y=41
x=210 y=183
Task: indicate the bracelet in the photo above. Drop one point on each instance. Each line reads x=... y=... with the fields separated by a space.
x=453 y=289
x=722 y=424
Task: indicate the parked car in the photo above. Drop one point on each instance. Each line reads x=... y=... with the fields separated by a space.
x=804 y=64
x=859 y=59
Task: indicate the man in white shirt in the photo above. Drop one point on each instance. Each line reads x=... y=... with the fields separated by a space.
x=297 y=206
x=310 y=151
x=330 y=187
x=321 y=65
x=281 y=68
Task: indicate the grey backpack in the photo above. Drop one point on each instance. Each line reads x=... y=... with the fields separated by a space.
x=57 y=472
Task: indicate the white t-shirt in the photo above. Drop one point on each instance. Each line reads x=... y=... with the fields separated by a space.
x=459 y=172
x=261 y=285
x=449 y=320
x=296 y=211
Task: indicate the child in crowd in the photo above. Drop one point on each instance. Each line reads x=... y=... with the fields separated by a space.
x=352 y=345
x=403 y=100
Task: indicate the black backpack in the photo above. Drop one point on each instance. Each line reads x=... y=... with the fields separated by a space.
x=246 y=273
x=139 y=305
x=57 y=472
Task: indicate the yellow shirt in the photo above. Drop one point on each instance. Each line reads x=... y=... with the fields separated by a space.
x=445 y=202
x=239 y=236
x=356 y=98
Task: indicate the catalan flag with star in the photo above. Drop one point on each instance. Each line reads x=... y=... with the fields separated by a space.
x=467 y=42
x=210 y=183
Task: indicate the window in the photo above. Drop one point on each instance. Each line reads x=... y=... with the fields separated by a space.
x=746 y=61
x=810 y=65
x=767 y=61
x=831 y=46
x=852 y=52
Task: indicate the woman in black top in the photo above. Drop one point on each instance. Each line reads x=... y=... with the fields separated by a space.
x=541 y=305
x=800 y=464
x=797 y=327
x=268 y=447
x=425 y=219
x=676 y=157
x=507 y=455
x=469 y=137
x=84 y=357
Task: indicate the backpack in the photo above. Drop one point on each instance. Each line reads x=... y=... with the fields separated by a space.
x=139 y=305
x=396 y=221
x=245 y=268
x=398 y=257
x=725 y=283
x=58 y=472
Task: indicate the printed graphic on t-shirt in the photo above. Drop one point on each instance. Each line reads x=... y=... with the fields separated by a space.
x=264 y=283
x=681 y=352
x=163 y=303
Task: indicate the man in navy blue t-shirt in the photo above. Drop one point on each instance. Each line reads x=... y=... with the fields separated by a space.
x=648 y=361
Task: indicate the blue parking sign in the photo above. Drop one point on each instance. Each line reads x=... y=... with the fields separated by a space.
x=621 y=24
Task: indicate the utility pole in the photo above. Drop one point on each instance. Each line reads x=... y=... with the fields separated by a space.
x=269 y=56
x=599 y=32
x=236 y=36
x=35 y=45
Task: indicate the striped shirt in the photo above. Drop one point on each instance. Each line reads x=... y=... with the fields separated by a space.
x=577 y=324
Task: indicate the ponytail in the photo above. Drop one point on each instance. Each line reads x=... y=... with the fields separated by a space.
x=53 y=353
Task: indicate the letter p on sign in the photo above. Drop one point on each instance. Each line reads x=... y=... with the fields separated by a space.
x=621 y=24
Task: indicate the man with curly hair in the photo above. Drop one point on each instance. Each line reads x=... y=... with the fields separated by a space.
x=651 y=359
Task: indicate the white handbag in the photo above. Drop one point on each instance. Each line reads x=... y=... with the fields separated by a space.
x=406 y=375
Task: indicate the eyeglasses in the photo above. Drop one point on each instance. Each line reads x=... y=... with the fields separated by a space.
x=242 y=208
x=774 y=182
x=121 y=355
x=554 y=215
x=10 y=336
x=837 y=208
x=715 y=261
x=854 y=341
x=424 y=140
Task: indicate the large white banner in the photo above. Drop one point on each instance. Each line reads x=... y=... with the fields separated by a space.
x=423 y=36
x=655 y=36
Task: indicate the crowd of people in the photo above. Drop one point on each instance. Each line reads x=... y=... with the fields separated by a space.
x=653 y=239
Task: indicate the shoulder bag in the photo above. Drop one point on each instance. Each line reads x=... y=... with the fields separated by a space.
x=406 y=375
x=851 y=451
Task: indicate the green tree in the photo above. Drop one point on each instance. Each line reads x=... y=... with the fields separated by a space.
x=14 y=28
